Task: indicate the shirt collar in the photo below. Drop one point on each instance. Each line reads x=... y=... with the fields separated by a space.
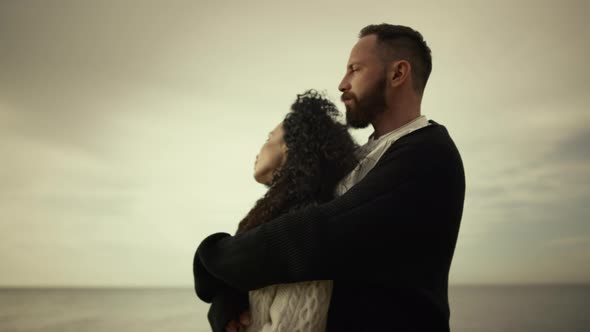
x=409 y=127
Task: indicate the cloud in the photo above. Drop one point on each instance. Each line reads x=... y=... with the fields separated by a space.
x=575 y=148
x=571 y=241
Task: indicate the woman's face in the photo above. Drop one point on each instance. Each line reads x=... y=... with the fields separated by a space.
x=271 y=157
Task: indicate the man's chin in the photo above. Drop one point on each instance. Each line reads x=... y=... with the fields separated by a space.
x=358 y=125
x=355 y=121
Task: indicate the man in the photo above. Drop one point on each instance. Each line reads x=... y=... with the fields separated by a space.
x=388 y=242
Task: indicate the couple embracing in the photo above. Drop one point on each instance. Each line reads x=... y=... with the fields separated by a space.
x=346 y=238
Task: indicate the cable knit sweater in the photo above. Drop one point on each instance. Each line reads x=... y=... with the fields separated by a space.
x=303 y=306
x=297 y=307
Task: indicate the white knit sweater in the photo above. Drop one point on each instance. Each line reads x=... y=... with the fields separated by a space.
x=303 y=306
x=297 y=307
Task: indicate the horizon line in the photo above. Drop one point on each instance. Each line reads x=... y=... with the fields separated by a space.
x=154 y=287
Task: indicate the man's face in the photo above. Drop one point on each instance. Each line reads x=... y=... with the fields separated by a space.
x=363 y=86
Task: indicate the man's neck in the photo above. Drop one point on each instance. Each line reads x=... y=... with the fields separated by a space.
x=389 y=121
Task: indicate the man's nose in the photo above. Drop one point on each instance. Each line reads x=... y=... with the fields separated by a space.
x=344 y=85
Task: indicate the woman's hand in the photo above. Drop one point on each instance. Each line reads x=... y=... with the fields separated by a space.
x=234 y=326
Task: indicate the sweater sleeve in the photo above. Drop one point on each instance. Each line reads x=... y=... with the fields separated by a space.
x=227 y=305
x=399 y=223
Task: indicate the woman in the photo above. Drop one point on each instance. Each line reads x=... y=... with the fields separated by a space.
x=302 y=162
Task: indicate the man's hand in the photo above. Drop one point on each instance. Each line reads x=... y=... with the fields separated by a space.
x=234 y=326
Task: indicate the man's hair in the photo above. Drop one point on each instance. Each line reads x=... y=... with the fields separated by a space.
x=397 y=42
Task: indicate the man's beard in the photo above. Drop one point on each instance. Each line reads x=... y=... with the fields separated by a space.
x=360 y=113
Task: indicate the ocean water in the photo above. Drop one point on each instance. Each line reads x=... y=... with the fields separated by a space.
x=473 y=308
x=563 y=308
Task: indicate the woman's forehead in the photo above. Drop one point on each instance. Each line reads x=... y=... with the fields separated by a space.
x=278 y=128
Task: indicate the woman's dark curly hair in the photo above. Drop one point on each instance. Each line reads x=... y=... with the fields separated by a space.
x=320 y=152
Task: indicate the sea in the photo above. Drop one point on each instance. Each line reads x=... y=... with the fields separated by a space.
x=515 y=308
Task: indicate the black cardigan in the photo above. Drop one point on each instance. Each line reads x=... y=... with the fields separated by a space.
x=387 y=243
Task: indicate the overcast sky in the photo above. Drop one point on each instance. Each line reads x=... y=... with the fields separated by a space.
x=128 y=130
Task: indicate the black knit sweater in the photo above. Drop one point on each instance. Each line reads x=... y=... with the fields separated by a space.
x=387 y=243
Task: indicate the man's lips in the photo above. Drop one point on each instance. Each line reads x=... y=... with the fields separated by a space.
x=346 y=98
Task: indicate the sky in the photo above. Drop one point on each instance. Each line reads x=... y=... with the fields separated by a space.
x=129 y=129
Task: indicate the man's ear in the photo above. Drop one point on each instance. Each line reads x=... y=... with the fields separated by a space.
x=399 y=72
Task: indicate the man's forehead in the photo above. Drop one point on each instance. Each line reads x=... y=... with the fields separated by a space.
x=362 y=50
x=368 y=40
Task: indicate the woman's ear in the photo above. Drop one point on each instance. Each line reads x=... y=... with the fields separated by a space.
x=284 y=152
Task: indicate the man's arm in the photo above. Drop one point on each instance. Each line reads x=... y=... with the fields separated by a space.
x=399 y=223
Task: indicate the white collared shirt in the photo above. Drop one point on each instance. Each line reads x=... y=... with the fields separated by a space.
x=370 y=153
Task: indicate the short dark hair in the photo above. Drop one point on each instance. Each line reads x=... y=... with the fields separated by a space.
x=402 y=42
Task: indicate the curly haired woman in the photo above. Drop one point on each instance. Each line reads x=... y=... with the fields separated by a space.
x=302 y=162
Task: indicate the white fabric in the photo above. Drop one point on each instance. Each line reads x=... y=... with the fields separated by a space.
x=303 y=306
x=370 y=153
x=296 y=307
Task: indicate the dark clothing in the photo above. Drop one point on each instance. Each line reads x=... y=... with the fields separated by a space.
x=387 y=243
